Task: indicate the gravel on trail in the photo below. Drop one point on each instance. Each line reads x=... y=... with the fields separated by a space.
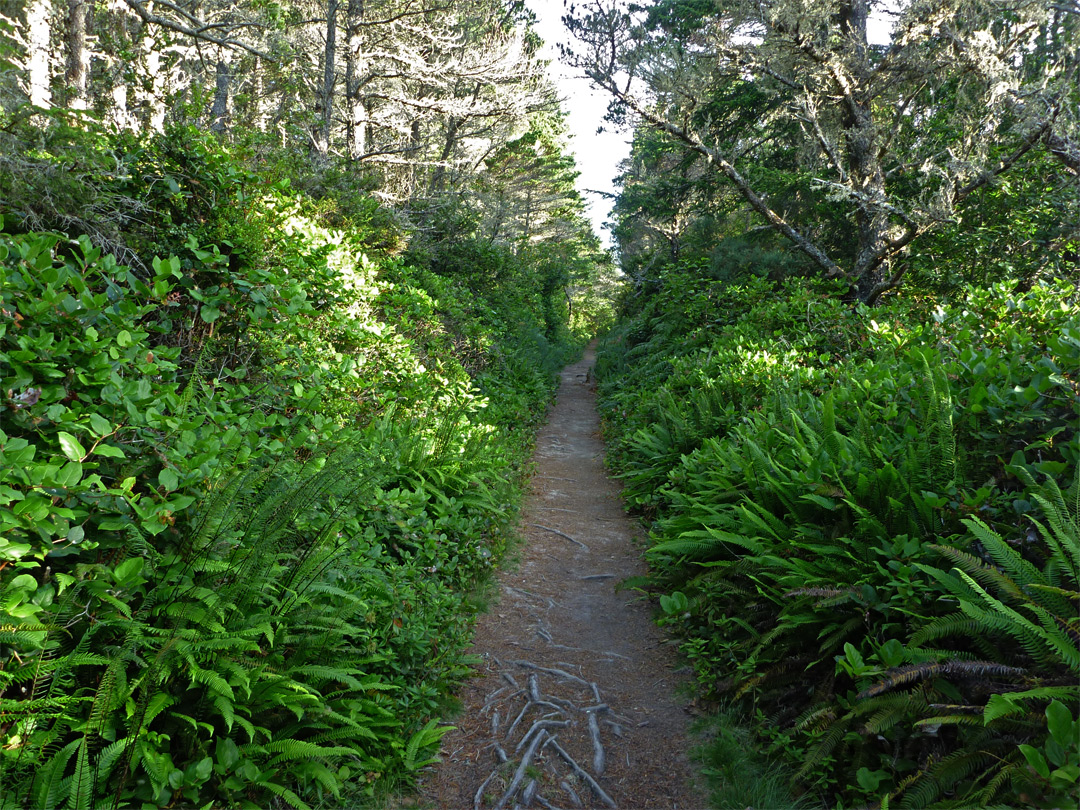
x=575 y=704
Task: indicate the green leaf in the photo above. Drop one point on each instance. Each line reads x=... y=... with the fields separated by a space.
x=1060 y=722
x=100 y=425
x=70 y=474
x=71 y=447
x=209 y=313
x=129 y=572
x=1036 y=760
x=123 y=340
x=167 y=478
x=109 y=451
x=1065 y=775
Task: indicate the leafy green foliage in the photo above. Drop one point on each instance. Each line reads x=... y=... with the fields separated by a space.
x=864 y=524
x=247 y=488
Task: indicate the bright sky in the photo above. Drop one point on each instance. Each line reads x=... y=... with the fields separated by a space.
x=597 y=155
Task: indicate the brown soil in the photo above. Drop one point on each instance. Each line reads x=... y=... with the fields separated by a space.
x=566 y=657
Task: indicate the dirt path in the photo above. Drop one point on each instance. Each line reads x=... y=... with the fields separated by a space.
x=574 y=705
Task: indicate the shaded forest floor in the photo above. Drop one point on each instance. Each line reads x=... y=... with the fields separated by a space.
x=575 y=704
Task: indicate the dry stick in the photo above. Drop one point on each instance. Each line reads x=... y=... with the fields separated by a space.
x=556 y=509
x=584 y=774
x=534 y=689
x=499 y=753
x=561 y=534
x=495 y=724
x=597 y=576
x=598 y=762
x=520 y=772
x=616 y=729
x=596 y=691
x=510 y=680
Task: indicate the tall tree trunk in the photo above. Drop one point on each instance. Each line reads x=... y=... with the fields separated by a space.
x=78 y=57
x=329 y=74
x=438 y=177
x=355 y=64
x=864 y=163
x=262 y=109
x=153 y=96
x=37 y=61
x=219 y=113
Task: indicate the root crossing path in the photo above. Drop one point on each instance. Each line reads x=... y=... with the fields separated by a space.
x=574 y=705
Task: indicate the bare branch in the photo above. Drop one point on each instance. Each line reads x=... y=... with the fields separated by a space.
x=199 y=33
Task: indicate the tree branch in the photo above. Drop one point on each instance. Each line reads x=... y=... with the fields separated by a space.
x=714 y=158
x=196 y=33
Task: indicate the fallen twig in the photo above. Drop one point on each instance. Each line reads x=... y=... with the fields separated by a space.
x=561 y=534
x=597 y=576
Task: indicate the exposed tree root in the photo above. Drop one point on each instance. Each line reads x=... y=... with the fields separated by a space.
x=560 y=534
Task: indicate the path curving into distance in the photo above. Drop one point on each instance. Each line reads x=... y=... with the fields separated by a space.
x=574 y=705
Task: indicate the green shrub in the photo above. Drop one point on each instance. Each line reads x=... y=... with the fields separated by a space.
x=814 y=473
x=246 y=493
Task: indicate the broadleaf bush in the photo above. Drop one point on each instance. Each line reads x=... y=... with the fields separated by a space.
x=251 y=477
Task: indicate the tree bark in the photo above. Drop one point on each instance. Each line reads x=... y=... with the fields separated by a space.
x=329 y=76
x=37 y=62
x=219 y=113
x=355 y=63
x=78 y=57
x=153 y=95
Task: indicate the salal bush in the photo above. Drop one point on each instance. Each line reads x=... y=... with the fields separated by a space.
x=247 y=492
x=865 y=526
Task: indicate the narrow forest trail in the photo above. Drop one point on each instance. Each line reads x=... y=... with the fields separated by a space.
x=577 y=688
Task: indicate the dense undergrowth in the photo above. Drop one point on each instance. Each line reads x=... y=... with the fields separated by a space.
x=252 y=470
x=864 y=526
